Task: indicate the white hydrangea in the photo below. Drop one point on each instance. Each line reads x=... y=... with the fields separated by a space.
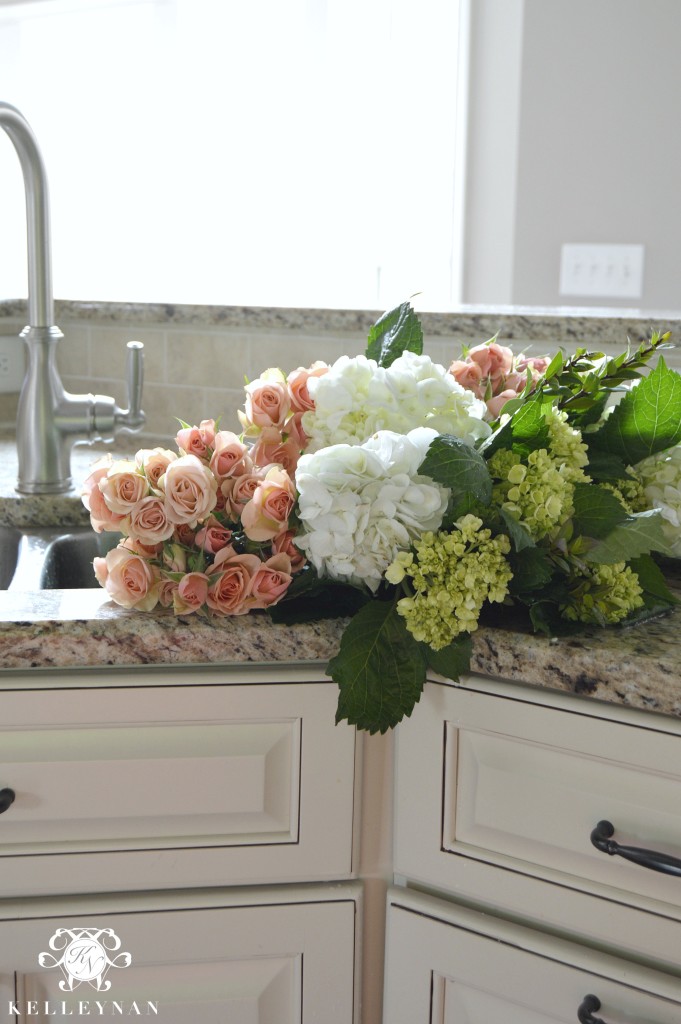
x=661 y=478
x=357 y=398
x=361 y=504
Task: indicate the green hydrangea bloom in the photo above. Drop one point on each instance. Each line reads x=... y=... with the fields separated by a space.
x=629 y=492
x=566 y=447
x=603 y=594
x=449 y=576
x=538 y=493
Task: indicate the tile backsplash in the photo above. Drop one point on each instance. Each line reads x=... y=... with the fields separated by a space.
x=197 y=358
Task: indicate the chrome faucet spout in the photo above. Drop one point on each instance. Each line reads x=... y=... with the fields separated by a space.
x=50 y=420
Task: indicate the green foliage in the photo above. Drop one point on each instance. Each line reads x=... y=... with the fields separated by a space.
x=453 y=661
x=647 y=420
x=638 y=534
x=380 y=669
x=525 y=432
x=597 y=511
x=309 y=599
x=459 y=467
x=396 y=332
x=532 y=570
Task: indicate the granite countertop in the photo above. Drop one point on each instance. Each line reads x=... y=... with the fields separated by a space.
x=638 y=666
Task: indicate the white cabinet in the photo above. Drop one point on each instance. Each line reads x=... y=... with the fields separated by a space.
x=450 y=965
x=273 y=956
x=498 y=788
x=197 y=786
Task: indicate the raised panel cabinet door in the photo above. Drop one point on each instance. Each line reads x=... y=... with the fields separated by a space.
x=194 y=784
x=485 y=780
x=270 y=962
x=448 y=965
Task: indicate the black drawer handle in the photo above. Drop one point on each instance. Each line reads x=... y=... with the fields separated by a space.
x=600 y=837
x=7 y=797
x=586 y=1008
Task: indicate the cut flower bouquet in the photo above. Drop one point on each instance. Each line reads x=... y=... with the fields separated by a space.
x=411 y=498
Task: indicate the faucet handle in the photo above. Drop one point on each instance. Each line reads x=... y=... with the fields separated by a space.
x=132 y=419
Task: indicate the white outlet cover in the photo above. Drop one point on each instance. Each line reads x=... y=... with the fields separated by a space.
x=602 y=271
x=12 y=363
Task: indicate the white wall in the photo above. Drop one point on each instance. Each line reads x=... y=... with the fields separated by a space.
x=587 y=144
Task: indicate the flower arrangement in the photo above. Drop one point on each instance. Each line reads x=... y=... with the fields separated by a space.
x=411 y=498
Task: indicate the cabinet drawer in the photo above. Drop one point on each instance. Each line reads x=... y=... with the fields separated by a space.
x=448 y=965
x=231 y=783
x=276 y=956
x=521 y=786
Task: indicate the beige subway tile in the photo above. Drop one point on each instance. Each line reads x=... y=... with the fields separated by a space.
x=164 y=404
x=108 y=352
x=224 y=404
x=207 y=357
x=8 y=409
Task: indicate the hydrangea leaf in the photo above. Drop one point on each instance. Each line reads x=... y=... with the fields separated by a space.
x=638 y=535
x=525 y=432
x=518 y=535
x=597 y=511
x=605 y=467
x=459 y=467
x=452 y=661
x=532 y=569
x=380 y=669
x=396 y=332
x=656 y=593
x=647 y=420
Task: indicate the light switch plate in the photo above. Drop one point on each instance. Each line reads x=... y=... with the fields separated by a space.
x=602 y=271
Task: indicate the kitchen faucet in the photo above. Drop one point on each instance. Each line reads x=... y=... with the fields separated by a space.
x=49 y=419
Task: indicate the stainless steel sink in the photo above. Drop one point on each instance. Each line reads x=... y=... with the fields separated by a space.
x=51 y=559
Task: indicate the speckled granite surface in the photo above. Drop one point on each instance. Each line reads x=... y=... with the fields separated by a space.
x=557 y=326
x=638 y=667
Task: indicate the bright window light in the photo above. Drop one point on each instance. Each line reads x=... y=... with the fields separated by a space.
x=298 y=153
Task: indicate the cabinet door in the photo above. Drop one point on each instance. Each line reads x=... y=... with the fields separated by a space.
x=272 y=962
x=488 y=782
x=446 y=965
x=144 y=787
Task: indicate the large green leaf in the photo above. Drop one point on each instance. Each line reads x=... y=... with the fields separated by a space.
x=532 y=570
x=638 y=535
x=597 y=511
x=396 y=332
x=459 y=467
x=380 y=669
x=452 y=661
x=647 y=420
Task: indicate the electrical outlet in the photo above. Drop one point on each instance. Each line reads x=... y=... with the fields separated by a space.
x=12 y=363
x=602 y=271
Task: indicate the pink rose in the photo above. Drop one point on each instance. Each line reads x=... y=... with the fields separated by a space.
x=284 y=543
x=297 y=382
x=101 y=516
x=271 y=448
x=229 y=456
x=267 y=512
x=270 y=582
x=238 y=491
x=149 y=522
x=123 y=486
x=294 y=429
x=197 y=440
x=185 y=535
x=231 y=576
x=153 y=462
x=191 y=593
x=496 y=404
x=494 y=360
x=128 y=579
x=213 y=537
x=469 y=376
x=537 y=364
x=166 y=592
x=190 y=490
x=267 y=401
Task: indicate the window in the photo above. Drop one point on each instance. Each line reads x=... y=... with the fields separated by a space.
x=285 y=152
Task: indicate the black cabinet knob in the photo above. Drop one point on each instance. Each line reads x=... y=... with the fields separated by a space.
x=7 y=797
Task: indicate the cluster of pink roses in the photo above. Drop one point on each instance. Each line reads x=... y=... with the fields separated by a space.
x=275 y=406
x=205 y=529
x=494 y=374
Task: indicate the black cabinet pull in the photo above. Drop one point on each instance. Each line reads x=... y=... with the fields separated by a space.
x=586 y=1008
x=6 y=799
x=600 y=837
